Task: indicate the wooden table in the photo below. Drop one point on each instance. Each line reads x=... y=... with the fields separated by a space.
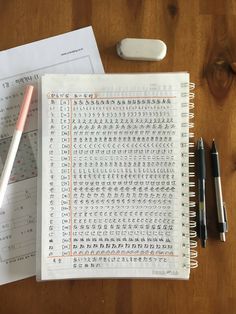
x=201 y=39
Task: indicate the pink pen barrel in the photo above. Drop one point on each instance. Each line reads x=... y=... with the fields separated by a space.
x=15 y=142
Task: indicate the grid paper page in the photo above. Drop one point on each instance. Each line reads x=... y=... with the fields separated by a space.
x=111 y=177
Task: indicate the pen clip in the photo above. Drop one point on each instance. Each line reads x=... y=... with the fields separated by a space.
x=225 y=216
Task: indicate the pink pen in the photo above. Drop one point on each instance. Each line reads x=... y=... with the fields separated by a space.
x=15 y=141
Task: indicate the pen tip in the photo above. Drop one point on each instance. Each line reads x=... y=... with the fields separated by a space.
x=200 y=144
x=222 y=237
x=213 y=148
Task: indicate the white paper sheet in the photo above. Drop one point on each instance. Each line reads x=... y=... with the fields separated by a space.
x=73 y=52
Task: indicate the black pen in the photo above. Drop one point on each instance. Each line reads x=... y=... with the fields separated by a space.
x=221 y=211
x=201 y=192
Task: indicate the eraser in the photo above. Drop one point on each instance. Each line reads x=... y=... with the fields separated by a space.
x=141 y=49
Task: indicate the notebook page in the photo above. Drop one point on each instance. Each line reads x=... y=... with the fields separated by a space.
x=111 y=177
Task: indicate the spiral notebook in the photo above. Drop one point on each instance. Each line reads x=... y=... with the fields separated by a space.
x=114 y=188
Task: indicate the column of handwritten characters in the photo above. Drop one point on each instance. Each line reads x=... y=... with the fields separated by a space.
x=59 y=232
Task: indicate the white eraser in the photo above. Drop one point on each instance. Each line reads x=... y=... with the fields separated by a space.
x=141 y=49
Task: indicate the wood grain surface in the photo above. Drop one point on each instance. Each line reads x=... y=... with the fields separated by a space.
x=201 y=38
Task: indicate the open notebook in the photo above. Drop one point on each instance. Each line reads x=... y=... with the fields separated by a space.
x=114 y=183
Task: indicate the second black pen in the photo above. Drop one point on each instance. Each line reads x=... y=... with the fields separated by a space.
x=202 y=227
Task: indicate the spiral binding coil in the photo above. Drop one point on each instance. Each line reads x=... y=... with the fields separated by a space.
x=188 y=205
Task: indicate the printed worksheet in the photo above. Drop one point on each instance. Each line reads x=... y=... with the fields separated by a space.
x=73 y=52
